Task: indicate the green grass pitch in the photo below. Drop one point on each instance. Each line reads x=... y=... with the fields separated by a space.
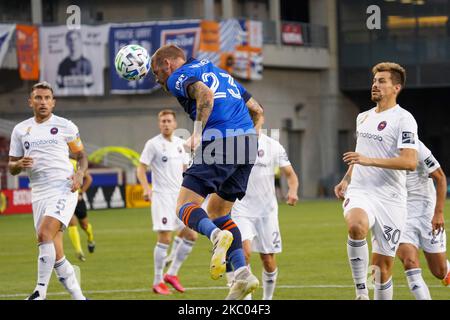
x=313 y=264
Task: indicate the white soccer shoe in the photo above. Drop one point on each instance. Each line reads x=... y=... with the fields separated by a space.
x=222 y=242
x=362 y=297
x=244 y=284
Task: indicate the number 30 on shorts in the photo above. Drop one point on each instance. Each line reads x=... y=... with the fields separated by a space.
x=391 y=234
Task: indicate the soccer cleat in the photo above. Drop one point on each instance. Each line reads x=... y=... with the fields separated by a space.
x=80 y=256
x=91 y=246
x=222 y=242
x=362 y=297
x=35 y=296
x=175 y=282
x=243 y=287
x=446 y=280
x=161 y=288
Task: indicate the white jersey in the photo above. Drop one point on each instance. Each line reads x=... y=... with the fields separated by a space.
x=382 y=135
x=166 y=159
x=47 y=143
x=260 y=199
x=420 y=186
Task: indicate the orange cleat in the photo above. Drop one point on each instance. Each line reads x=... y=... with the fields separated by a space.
x=161 y=288
x=175 y=282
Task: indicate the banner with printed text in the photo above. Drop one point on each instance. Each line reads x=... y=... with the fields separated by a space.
x=73 y=60
x=151 y=36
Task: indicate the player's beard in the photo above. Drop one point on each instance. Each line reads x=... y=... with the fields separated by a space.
x=376 y=98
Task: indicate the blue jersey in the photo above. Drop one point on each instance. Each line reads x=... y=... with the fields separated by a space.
x=229 y=115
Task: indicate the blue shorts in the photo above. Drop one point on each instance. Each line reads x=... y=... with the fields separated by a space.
x=223 y=166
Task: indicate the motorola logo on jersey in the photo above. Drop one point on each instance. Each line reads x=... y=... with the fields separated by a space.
x=39 y=143
x=54 y=130
x=164 y=159
x=382 y=125
x=369 y=136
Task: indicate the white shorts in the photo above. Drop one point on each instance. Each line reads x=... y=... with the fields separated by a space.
x=59 y=206
x=418 y=231
x=164 y=212
x=263 y=232
x=387 y=220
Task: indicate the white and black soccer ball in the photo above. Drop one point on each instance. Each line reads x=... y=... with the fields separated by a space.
x=132 y=62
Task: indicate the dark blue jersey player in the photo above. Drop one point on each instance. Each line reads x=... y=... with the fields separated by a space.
x=226 y=118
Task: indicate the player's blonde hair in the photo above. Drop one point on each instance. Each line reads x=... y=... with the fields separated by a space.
x=168 y=51
x=42 y=85
x=166 y=112
x=398 y=73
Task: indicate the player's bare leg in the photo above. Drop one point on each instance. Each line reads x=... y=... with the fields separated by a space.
x=244 y=281
x=384 y=288
x=357 y=250
x=409 y=256
x=65 y=271
x=159 y=256
x=269 y=275
x=193 y=216
x=439 y=266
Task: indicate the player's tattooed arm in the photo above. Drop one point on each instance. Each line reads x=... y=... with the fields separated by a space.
x=204 y=98
x=256 y=112
x=17 y=164
x=82 y=166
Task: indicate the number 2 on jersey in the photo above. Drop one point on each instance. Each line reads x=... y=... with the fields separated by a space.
x=215 y=85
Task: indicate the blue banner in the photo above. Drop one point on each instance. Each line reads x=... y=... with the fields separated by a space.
x=124 y=34
x=151 y=36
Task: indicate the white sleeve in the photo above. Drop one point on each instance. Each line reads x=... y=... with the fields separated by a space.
x=282 y=159
x=15 y=147
x=148 y=153
x=407 y=133
x=72 y=132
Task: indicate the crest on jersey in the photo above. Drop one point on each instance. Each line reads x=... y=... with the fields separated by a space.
x=54 y=130
x=164 y=220
x=26 y=144
x=260 y=153
x=164 y=159
x=382 y=125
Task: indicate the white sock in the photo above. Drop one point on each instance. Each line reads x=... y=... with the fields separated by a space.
x=230 y=278
x=214 y=234
x=358 y=256
x=269 y=282
x=448 y=268
x=66 y=275
x=184 y=248
x=384 y=291
x=176 y=242
x=417 y=285
x=159 y=256
x=46 y=260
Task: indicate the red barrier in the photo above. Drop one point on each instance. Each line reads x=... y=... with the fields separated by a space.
x=15 y=201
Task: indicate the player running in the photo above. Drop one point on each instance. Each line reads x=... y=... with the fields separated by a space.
x=41 y=145
x=375 y=199
x=223 y=127
x=425 y=224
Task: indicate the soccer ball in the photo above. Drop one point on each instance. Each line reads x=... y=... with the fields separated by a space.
x=132 y=62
